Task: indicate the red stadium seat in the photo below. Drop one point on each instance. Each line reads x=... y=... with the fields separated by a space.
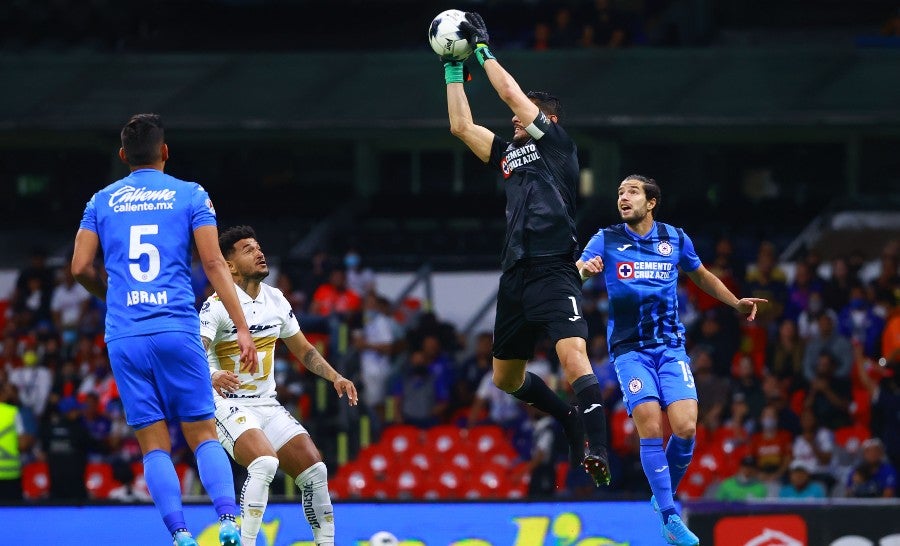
x=376 y=459
x=486 y=439
x=36 y=480
x=409 y=483
x=98 y=478
x=443 y=438
x=492 y=481
x=695 y=483
x=422 y=459
x=352 y=480
x=400 y=439
x=139 y=483
x=850 y=438
x=462 y=459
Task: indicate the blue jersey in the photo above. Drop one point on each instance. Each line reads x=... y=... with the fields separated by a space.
x=641 y=276
x=145 y=222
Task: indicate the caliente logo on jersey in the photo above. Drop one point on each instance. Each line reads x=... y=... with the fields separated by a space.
x=131 y=199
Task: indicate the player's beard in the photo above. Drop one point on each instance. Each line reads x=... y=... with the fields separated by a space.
x=258 y=275
x=636 y=218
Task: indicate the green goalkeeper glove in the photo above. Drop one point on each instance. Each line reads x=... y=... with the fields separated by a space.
x=475 y=31
x=456 y=72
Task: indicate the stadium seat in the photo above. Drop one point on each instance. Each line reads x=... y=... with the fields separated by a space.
x=376 y=458
x=139 y=483
x=409 y=483
x=850 y=438
x=492 y=481
x=463 y=459
x=485 y=439
x=98 y=478
x=422 y=458
x=443 y=438
x=449 y=483
x=35 y=480
x=400 y=439
x=695 y=482
x=353 y=480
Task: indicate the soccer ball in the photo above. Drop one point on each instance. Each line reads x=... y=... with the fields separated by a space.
x=445 y=38
x=383 y=538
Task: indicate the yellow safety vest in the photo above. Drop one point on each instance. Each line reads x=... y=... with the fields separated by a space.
x=10 y=463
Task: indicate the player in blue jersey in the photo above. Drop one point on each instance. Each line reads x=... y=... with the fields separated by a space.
x=144 y=224
x=640 y=259
x=539 y=292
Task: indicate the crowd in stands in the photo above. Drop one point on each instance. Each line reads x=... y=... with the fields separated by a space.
x=802 y=402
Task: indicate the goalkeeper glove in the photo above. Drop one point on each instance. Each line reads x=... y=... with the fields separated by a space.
x=456 y=72
x=475 y=31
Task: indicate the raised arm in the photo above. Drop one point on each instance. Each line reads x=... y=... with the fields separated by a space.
x=207 y=241
x=476 y=137
x=506 y=86
x=300 y=347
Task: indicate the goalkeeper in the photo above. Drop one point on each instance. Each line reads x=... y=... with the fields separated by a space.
x=540 y=288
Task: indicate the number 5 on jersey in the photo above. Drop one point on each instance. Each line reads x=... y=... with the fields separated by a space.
x=138 y=248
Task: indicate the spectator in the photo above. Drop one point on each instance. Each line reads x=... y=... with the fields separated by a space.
x=607 y=27
x=767 y=280
x=747 y=383
x=814 y=447
x=724 y=266
x=376 y=342
x=359 y=279
x=30 y=300
x=829 y=397
x=771 y=446
x=885 y=396
x=800 y=484
x=541 y=466
x=335 y=297
x=126 y=492
x=830 y=341
x=733 y=437
x=472 y=369
x=565 y=33
x=887 y=283
x=68 y=304
x=502 y=409
x=785 y=359
x=743 y=485
x=712 y=390
x=837 y=289
x=719 y=331
x=422 y=402
x=14 y=441
x=33 y=381
x=874 y=476
x=297 y=298
x=804 y=284
x=98 y=425
x=66 y=442
x=808 y=321
x=859 y=323
x=776 y=396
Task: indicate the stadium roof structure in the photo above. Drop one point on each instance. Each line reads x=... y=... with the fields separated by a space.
x=343 y=92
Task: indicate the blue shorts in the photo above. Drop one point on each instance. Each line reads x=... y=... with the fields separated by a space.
x=660 y=373
x=162 y=376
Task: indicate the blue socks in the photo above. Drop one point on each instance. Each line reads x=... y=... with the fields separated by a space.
x=678 y=453
x=656 y=467
x=215 y=474
x=162 y=481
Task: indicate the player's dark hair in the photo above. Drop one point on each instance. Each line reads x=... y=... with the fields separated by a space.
x=549 y=104
x=142 y=137
x=651 y=191
x=232 y=235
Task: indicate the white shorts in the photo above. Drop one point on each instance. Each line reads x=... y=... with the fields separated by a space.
x=234 y=418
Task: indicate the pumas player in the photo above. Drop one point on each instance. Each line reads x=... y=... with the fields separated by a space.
x=255 y=429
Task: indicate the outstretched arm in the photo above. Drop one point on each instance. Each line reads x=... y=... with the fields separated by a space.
x=506 y=86
x=300 y=347
x=713 y=286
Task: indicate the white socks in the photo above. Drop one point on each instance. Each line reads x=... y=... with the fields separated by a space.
x=313 y=484
x=255 y=496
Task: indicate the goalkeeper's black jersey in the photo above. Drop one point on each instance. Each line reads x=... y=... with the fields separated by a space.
x=540 y=178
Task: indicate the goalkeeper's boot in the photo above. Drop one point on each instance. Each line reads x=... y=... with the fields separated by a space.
x=596 y=464
x=229 y=534
x=676 y=532
x=183 y=538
